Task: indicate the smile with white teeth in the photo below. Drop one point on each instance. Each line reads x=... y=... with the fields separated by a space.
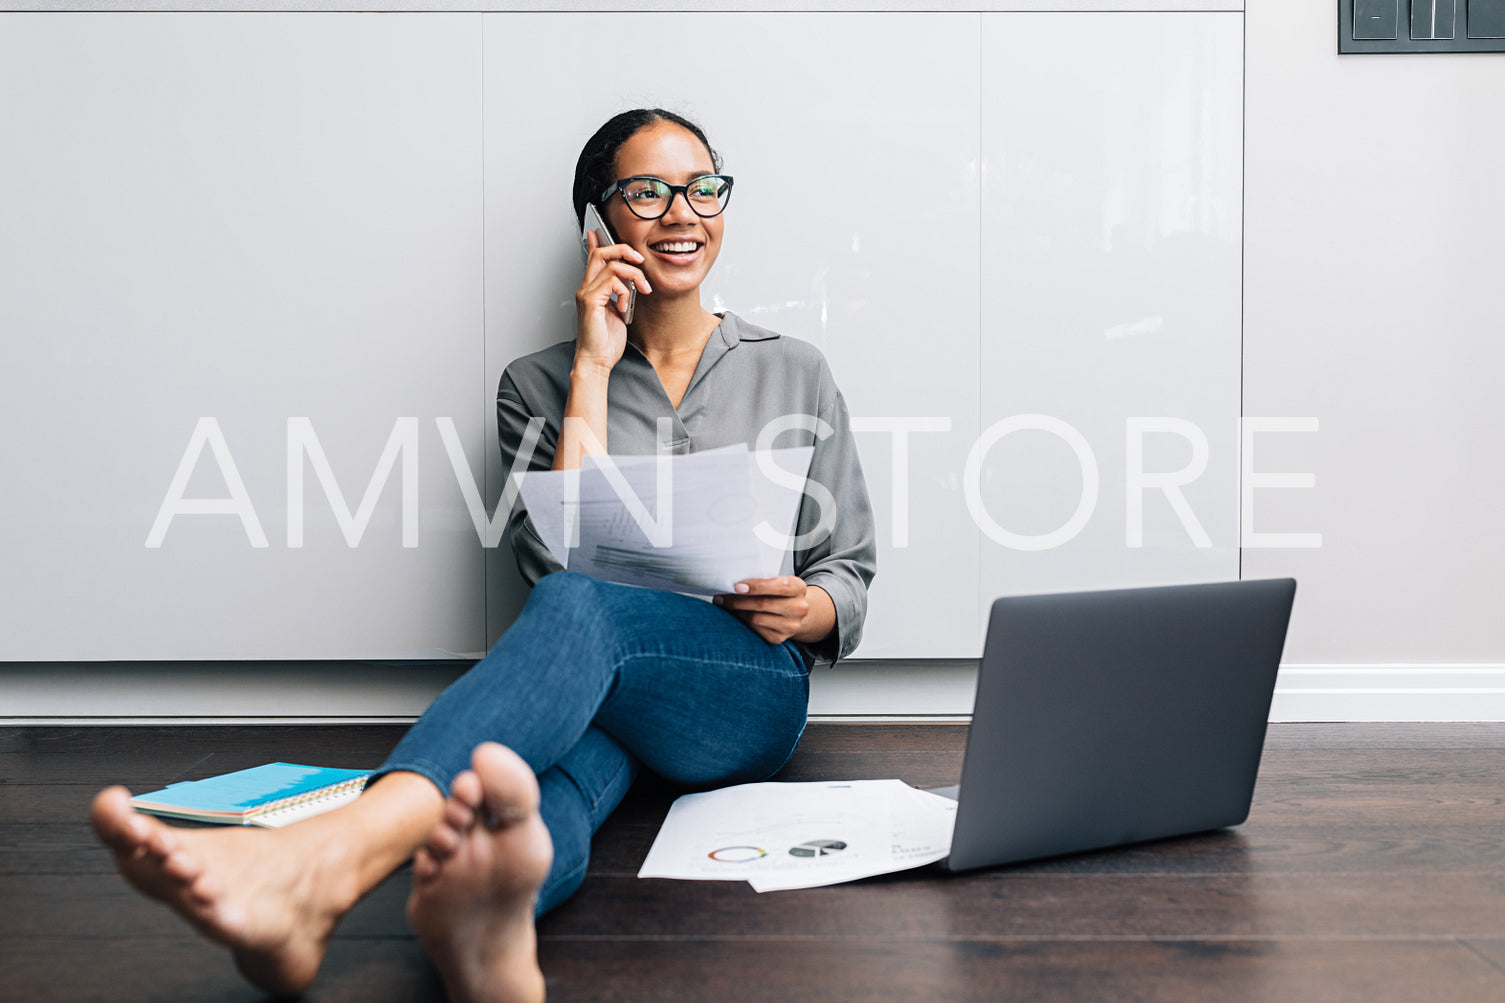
x=676 y=246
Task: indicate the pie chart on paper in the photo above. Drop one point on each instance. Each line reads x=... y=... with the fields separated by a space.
x=737 y=854
x=817 y=848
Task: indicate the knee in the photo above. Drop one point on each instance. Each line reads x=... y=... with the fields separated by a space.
x=565 y=592
x=576 y=605
x=563 y=586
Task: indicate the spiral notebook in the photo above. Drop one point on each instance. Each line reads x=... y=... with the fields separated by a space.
x=269 y=796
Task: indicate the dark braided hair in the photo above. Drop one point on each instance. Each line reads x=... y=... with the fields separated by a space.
x=596 y=169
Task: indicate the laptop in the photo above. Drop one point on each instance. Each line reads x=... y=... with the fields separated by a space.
x=1113 y=717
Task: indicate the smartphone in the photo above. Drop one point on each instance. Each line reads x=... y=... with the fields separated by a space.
x=593 y=221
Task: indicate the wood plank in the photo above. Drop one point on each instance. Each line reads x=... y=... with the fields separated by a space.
x=1295 y=826
x=95 y=908
x=1350 y=766
x=1255 y=848
x=1005 y=904
x=126 y=969
x=1372 y=868
x=855 y=737
x=1387 y=735
x=149 y=757
x=995 y=905
x=1427 y=790
x=1193 y=971
x=1492 y=951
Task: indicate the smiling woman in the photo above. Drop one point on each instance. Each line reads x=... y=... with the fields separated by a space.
x=654 y=177
x=660 y=161
x=666 y=247
x=594 y=680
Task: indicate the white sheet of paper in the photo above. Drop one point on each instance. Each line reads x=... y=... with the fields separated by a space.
x=608 y=520
x=801 y=835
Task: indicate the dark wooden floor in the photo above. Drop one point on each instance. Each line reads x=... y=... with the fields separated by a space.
x=1371 y=868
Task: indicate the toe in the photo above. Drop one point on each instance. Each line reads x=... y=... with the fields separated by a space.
x=459 y=817
x=466 y=790
x=205 y=887
x=160 y=841
x=510 y=786
x=115 y=821
x=442 y=842
x=180 y=866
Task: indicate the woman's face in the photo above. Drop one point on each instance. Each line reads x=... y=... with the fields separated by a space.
x=679 y=247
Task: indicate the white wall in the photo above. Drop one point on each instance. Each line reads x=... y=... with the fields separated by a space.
x=981 y=263
x=255 y=223
x=799 y=108
x=246 y=218
x=1373 y=278
x=1370 y=277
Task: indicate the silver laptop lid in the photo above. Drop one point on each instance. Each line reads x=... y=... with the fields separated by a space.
x=1119 y=716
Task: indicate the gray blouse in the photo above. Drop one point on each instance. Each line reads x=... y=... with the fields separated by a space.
x=747 y=377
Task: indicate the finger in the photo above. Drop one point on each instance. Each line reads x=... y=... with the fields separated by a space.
x=630 y=273
x=770 y=620
x=784 y=585
x=624 y=298
x=786 y=605
x=610 y=255
x=621 y=270
x=609 y=252
x=615 y=258
x=597 y=295
x=748 y=602
x=771 y=628
x=594 y=293
x=741 y=614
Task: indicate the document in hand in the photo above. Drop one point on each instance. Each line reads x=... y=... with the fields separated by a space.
x=801 y=835
x=695 y=523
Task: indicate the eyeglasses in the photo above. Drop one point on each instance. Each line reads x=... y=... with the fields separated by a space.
x=650 y=197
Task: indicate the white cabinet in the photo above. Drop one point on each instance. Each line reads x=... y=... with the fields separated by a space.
x=262 y=218
x=1110 y=363
x=249 y=218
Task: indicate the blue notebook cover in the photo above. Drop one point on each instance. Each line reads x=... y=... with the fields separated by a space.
x=234 y=797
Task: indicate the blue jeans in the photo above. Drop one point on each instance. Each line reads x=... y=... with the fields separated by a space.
x=595 y=678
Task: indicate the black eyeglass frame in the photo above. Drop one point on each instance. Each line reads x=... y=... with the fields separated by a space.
x=618 y=187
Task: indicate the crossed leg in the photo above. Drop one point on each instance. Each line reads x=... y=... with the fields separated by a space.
x=707 y=702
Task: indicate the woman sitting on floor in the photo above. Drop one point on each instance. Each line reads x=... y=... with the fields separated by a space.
x=594 y=678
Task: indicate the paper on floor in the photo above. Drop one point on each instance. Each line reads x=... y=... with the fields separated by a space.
x=801 y=835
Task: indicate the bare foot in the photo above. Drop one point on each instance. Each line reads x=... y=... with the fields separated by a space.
x=475 y=879
x=272 y=897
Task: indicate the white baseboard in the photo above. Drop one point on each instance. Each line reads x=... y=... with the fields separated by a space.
x=910 y=690
x=1399 y=692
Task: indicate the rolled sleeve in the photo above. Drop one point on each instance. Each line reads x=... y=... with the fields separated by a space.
x=844 y=563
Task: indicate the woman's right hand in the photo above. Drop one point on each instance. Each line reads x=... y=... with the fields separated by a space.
x=600 y=326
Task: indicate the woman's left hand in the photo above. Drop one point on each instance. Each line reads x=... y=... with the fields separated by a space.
x=780 y=608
